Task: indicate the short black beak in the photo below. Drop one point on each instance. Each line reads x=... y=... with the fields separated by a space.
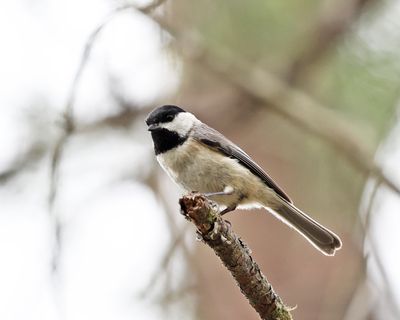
x=153 y=127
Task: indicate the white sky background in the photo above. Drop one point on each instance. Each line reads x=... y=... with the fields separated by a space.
x=107 y=219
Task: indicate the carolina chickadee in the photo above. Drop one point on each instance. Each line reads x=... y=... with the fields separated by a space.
x=199 y=158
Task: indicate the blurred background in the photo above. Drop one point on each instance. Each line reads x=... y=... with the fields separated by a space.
x=90 y=226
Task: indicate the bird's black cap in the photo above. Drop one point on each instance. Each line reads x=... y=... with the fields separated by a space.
x=163 y=114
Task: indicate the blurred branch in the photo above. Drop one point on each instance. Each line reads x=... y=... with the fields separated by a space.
x=68 y=119
x=123 y=119
x=235 y=255
x=374 y=253
x=35 y=152
x=68 y=123
x=332 y=25
x=150 y=7
x=362 y=302
x=387 y=293
x=177 y=243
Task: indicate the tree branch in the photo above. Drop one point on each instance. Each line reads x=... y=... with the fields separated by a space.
x=235 y=255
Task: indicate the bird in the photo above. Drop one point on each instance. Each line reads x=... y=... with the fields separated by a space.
x=199 y=158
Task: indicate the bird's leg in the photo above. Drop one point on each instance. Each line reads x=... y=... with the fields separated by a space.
x=232 y=206
x=227 y=192
x=219 y=193
x=228 y=209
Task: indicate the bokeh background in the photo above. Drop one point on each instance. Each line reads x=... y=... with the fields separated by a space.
x=90 y=226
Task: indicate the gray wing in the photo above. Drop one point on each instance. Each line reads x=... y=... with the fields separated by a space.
x=215 y=140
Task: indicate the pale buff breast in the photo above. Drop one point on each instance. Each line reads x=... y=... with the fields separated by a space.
x=198 y=168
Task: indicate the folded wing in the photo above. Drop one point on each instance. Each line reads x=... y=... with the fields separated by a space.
x=215 y=140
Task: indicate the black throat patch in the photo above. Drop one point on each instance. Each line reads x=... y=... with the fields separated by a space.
x=165 y=140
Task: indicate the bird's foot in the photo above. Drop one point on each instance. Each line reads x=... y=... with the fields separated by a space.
x=228 y=209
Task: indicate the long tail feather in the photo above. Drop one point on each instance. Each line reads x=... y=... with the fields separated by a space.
x=319 y=236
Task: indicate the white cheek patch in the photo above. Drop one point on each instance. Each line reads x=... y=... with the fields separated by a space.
x=181 y=124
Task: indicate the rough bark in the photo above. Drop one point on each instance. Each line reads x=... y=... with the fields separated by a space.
x=235 y=255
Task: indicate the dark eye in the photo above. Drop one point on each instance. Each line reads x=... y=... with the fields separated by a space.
x=169 y=117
